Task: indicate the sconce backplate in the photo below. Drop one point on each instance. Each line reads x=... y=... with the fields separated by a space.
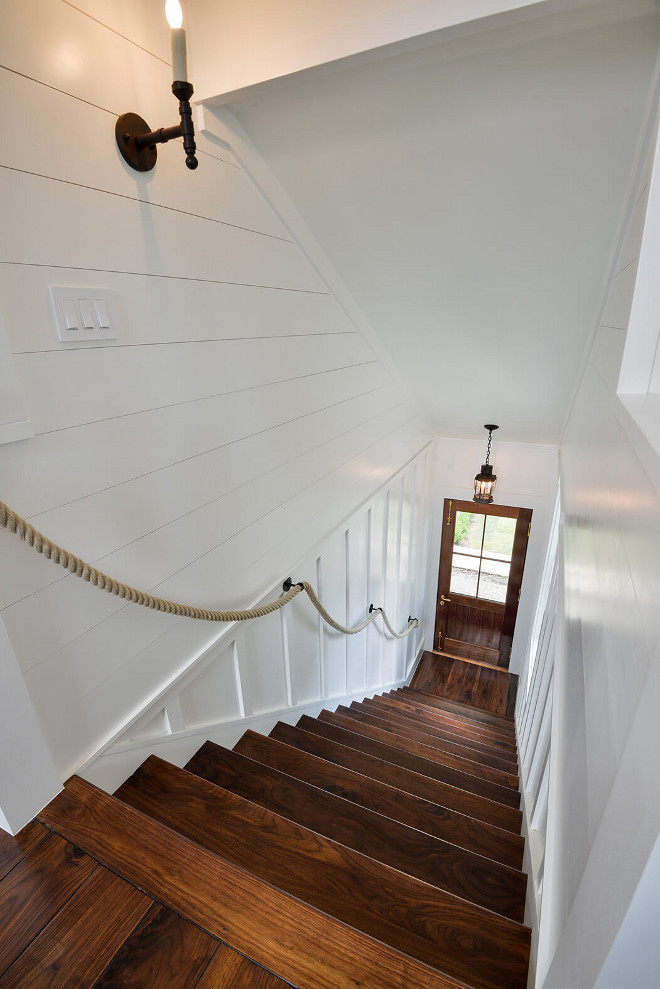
x=129 y=127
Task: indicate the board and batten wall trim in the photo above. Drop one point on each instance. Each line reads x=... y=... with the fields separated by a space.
x=291 y=663
x=239 y=417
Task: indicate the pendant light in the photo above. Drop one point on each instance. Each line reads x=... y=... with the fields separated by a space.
x=484 y=482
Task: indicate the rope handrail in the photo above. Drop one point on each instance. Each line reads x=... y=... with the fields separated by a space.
x=26 y=532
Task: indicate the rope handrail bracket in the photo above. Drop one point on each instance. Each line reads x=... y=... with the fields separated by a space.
x=26 y=532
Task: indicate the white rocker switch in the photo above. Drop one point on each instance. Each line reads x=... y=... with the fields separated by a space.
x=102 y=315
x=71 y=315
x=87 y=314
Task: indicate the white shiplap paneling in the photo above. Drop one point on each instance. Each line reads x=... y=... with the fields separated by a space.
x=240 y=417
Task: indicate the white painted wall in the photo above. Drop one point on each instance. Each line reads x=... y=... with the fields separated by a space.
x=238 y=47
x=291 y=663
x=526 y=478
x=28 y=779
x=239 y=417
x=604 y=816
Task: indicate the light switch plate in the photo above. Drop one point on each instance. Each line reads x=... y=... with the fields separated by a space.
x=70 y=303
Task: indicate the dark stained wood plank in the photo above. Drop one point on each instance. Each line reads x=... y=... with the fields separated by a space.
x=491 y=783
x=422 y=767
x=488 y=690
x=433 y=725
x=75 y=947
x=441 y=724
x=450 y=753
x=35 y=890
x=448 y=722
x=297 y=943
x=470 y=713
x=413 y=727
x=163 y=950
x=473 y=877
x=229 y=970
x=424 y=922
x=445 y=654
x=15 y=847
x=398 y=804
x=443 y=708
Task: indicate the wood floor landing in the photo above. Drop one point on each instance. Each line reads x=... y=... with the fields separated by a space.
x=475 y=684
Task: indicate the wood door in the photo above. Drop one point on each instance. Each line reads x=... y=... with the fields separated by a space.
x=481 y=567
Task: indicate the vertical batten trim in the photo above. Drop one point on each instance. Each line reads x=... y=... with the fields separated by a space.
x=174 y=714
x=285 y=658
x=323 y=693
x=238 y=682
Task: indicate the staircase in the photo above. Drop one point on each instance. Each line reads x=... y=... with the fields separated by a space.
x=376 y=847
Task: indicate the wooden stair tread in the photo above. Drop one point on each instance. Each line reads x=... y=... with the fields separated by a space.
x=441 y=822
x=356 y=752
x=467 y=735
x=423 y=747
x=445 y=722
x=82 y=937
x=409 y=728
x=375 y=741
x=298 y=943
x=432 y=860
x=499 y=721
x=459 y=713
x=417 y=919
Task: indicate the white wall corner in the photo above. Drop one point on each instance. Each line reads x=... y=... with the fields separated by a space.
x=28 y=778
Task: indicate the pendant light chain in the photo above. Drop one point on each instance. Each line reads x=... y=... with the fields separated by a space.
x=490 y=440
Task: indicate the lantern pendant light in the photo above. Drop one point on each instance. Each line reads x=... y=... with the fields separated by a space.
x=484 y=482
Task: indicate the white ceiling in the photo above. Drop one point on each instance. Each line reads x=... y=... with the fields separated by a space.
x=468 y=193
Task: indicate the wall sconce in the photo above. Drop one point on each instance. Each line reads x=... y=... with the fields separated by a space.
x=484 y=482
x=136 y=142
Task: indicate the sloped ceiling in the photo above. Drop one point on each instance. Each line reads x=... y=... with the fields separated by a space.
x=469 y=194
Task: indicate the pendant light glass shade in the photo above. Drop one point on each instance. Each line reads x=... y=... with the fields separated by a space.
x=484 y=485
x=484 y=482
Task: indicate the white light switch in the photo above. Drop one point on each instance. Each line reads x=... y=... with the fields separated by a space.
x=87 y=313
x=82 y=315
x=71 y=316
x=102 y=315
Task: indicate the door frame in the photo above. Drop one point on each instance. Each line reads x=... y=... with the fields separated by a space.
x=519 y=553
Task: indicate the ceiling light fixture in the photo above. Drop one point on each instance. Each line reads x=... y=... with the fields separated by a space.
x=484 y=482
x=136 y=142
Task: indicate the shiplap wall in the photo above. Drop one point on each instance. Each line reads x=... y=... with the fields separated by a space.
x=238 y=418
x=604 y=806
x=290 y=662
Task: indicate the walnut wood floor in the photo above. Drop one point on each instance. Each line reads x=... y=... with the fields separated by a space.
x=475 y=684
x=377 y=846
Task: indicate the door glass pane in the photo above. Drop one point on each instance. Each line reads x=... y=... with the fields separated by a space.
x=464 y=573
x=468 y=531
x=494 y=580
x=498 y=538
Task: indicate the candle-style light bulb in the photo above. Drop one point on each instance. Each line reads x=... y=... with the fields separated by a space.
x=174 y=16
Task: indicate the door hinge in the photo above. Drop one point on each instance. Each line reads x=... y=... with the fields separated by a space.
x=529 y=529
x=449 y=513
x=518 y=597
